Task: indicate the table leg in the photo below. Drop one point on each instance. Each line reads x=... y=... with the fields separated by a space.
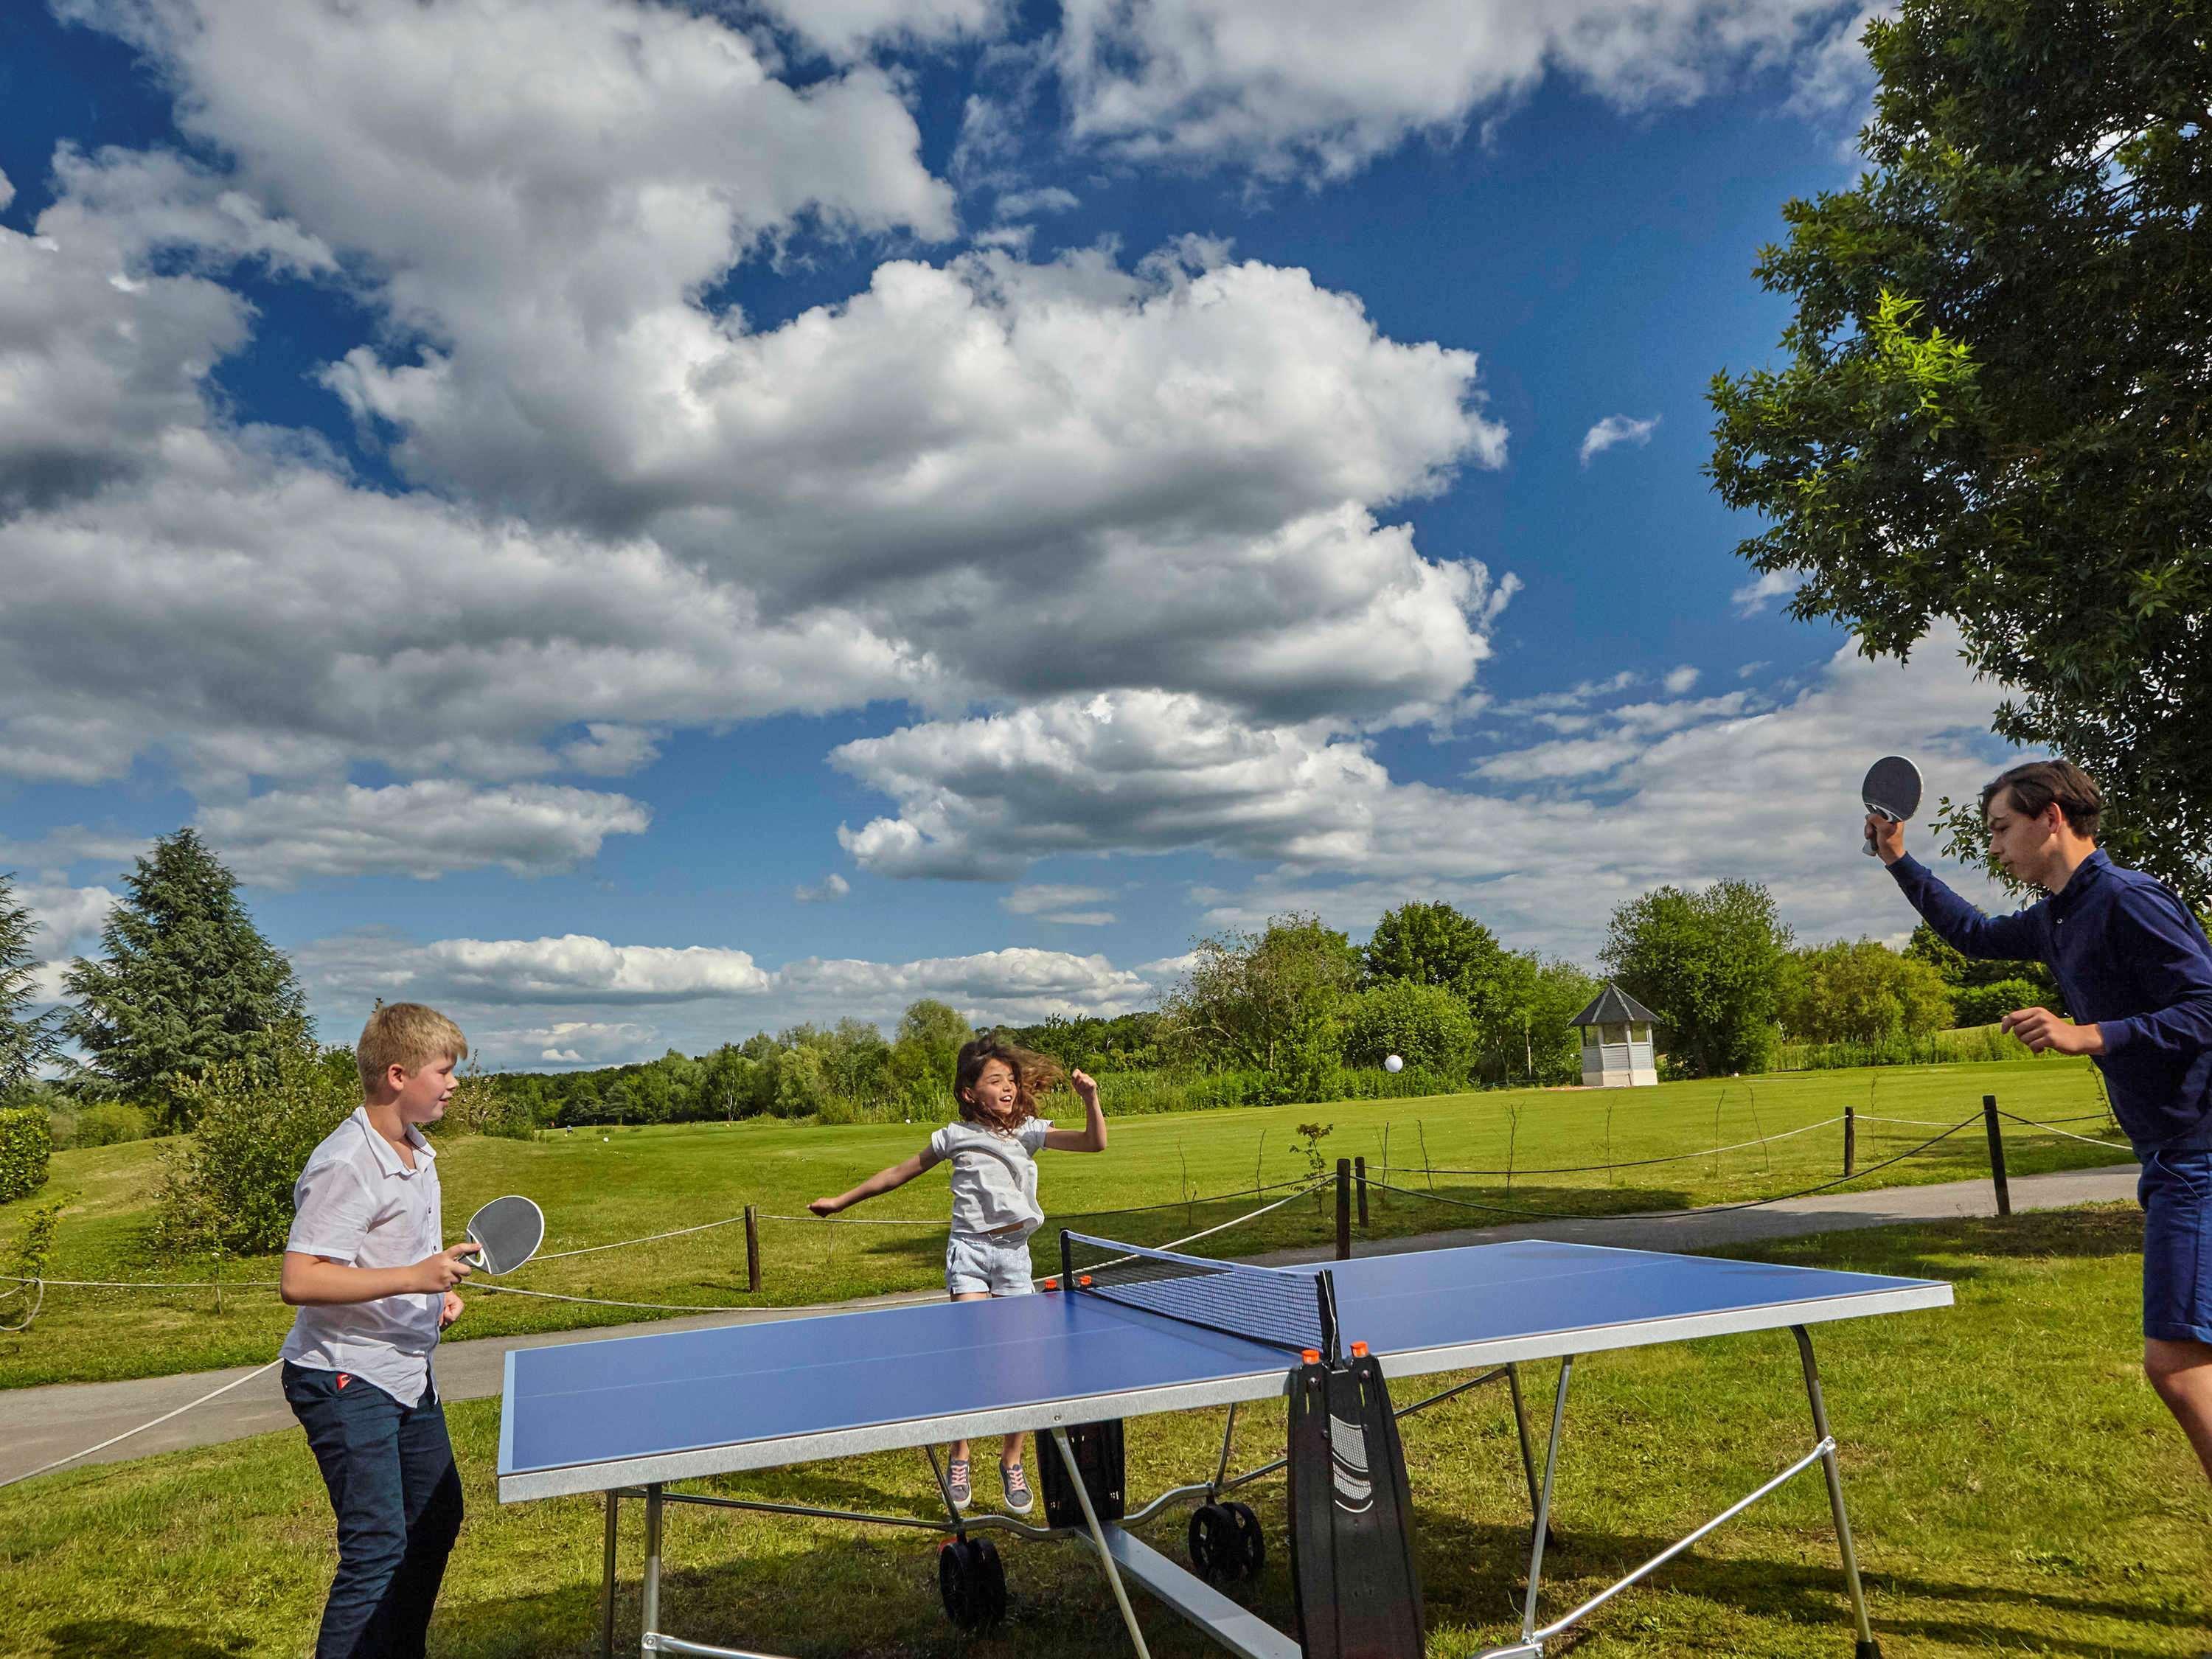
x=945 y=1492
x=650 y=1589
x=607 y=1584
x=1867 y=1647
x=1544 y=1500
x=1221 y=1471
x=1521 y=1428
x=1098 y=1538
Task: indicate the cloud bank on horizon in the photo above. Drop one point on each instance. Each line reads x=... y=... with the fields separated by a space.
x=1125 y=579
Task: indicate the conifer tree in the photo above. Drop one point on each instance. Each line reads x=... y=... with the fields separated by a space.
x=27 y=1041
x=184 y=981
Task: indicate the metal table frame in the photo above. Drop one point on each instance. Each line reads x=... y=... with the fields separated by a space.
x=1123 y=1558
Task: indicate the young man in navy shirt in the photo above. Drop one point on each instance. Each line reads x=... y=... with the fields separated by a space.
x=2136 y=974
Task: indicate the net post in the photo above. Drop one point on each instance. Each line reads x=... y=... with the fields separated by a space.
x=752 y=1247
x=1344 y=1209
x=1359 y=1182
x=1325 y=1299
x=1066 y=1263
x=1850 y=1139
x=1996 y=1154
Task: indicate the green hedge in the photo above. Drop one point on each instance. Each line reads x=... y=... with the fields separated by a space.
x=24 y=1144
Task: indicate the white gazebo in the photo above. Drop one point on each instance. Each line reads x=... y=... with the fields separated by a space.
x=1617 y=1041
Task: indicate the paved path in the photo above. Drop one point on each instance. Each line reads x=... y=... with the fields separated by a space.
x=47 y=1423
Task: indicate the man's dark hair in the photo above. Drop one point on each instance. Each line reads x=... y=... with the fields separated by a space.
x=2035 y=785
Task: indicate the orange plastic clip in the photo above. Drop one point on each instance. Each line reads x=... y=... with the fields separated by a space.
x=1359 y=1350
x=1085 y=1281
x=1311 y=1355
x=1052 y=1283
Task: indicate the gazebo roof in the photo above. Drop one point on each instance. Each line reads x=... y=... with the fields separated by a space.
x=1614 y=1007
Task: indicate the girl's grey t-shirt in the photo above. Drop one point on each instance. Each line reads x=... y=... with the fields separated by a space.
x=994 y=1174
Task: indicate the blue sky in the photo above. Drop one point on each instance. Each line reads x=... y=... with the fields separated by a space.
x=640 y=525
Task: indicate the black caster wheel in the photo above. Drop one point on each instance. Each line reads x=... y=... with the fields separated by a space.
x=993 y=1579
x=1214 y=1551
x=1251 y=1543
x=971 y=1581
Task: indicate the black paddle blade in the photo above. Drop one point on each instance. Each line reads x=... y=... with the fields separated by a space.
x=507 y=1233
x=1892 y=789
x=1358 y=1592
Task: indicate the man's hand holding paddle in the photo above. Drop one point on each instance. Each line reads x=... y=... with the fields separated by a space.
x=1891 y=794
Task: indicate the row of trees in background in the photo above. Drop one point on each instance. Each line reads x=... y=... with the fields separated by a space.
x=186 y=1010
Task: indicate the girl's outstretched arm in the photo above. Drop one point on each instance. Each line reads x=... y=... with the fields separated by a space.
x=1092 y=1137
x=882 y=1182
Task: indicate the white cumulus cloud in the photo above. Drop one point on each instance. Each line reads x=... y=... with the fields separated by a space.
x=1317 y=87
x=425 y=830
x=1072 y=906
x=1616 y=429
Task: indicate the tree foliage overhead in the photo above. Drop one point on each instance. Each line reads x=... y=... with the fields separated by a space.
x=1995 y=405
x=184 y=981
x=27 y=1041
x=1709 y=964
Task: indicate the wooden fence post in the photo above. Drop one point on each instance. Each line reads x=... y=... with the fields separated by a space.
x=1344 y=1209
x=1359 y=1180
x=752 y=1247
x=1850 y=1139
x=1996 y=1154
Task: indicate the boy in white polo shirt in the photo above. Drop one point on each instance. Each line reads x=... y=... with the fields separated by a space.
x=366 y=1267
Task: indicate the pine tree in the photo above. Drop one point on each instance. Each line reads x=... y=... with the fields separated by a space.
x=26 y=1041
x=185 y=981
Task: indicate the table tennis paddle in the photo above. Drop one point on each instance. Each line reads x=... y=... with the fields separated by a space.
x=507 y=1233
x=1892 y=789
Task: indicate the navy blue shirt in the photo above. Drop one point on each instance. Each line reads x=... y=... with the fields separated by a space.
x=2129 y=957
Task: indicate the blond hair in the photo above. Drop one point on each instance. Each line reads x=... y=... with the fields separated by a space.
x=406 y=1034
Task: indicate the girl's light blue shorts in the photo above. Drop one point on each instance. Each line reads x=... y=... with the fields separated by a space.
x=997 y=1263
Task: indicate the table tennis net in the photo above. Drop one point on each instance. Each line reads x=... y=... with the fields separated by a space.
x=1293 y=1308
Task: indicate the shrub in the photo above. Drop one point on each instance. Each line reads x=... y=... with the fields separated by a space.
x=26 y=1142
x=481 y=1105
x=228 y=1185
x=1985 y=1005
x=1427 y=1025
x=109 y=1124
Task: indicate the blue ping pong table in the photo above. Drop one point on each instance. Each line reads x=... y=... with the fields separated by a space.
x=630 y=1417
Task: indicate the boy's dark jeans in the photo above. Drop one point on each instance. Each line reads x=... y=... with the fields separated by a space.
x=397 y=1499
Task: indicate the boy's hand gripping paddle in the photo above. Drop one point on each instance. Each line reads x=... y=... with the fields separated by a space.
x=1892 y=789
x=507 y=1233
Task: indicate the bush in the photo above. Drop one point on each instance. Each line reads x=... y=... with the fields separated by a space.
x=1985 y=1005
x=228 y=1185
x=26 y=1142
x=482 y=1105
x=1427 y=1025
x=109 y=1124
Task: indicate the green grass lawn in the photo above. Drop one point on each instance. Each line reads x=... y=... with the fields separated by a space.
x=2013 y=1485
x=598 y=1186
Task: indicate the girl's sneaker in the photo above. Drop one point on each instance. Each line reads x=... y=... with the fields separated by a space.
x=1017 y=1488
x=955 y=1478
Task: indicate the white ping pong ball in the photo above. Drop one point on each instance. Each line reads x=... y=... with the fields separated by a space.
x=1392 y=1063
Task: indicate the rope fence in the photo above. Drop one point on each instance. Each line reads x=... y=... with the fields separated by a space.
x=1625 y=1164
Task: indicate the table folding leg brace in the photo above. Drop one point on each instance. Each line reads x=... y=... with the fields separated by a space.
x=1531 y=1644
x=1122 y=1557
